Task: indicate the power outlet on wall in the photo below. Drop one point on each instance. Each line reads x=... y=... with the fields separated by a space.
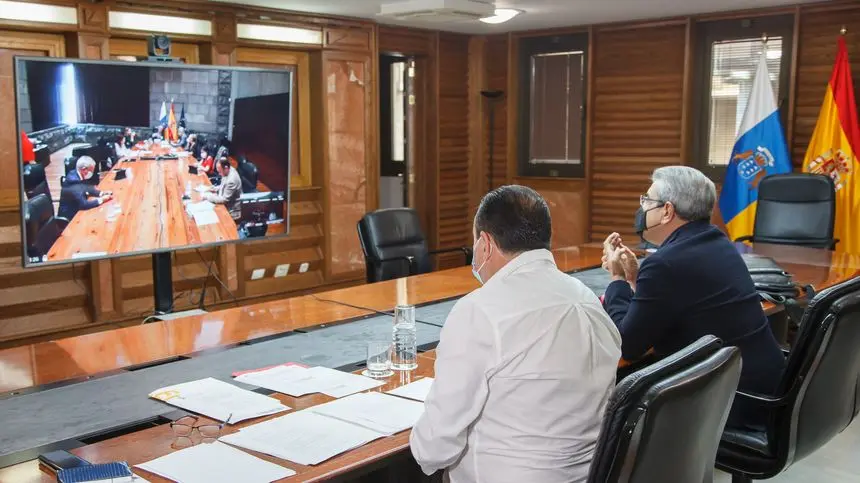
x=258 y=273
x=304 y=267
x=282 y=270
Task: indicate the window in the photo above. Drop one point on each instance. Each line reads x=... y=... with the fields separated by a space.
x=552 y=106
x=729 y=52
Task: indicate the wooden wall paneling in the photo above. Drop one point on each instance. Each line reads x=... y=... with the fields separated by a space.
x=347 y=80
x=638 y=85
x=477 y=122
x=355 y=39
x=511 y=108
x=567 y=200
x=497 y=78
x=589 y=133
x=406 y=41
x=816 y=53
x=124 y=47
x=687 y=117
x=454 y=223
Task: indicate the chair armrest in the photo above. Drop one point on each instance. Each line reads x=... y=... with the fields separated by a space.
x=410 y=261
x=467 y=252
x=744 y=238
x=762 y=400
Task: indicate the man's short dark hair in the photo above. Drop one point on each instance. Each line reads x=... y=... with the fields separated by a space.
x=224 y=162
x=517 y=217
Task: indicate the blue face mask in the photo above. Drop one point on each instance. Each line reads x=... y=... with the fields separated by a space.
x=477 y=271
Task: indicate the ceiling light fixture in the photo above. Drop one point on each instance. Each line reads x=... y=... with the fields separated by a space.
x=502 y=15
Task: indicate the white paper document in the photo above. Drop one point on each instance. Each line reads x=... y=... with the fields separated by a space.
x=218 y=400
x=372 y=410
x=203 y=218
x=297 y=381
x=215 y=463
x=416 y=390
x=302 y=437
x=201 y=188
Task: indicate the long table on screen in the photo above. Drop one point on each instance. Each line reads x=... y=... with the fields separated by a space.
x=88 y=393
x=152 y=212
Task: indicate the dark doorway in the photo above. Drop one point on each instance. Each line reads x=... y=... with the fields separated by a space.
x=396 y=128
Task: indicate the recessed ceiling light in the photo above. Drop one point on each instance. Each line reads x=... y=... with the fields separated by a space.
x=502 y=15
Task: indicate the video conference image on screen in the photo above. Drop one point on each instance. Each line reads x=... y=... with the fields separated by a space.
x=120 y=158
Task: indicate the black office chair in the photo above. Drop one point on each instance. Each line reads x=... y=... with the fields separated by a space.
x=394 y=245
x=249 y=174
x=663 y=423
x=35 y=182
x=83 y=150
x=783 y=199
x=70 y=163
x=818 y=395
x=42 y=227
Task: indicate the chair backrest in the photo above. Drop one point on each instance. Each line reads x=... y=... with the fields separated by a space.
x=48 y=235
x=664 y=422
x=38 y=211
x=70 y=163
x=392 y=234
x=785 y=198
x=821 y=377
x=249 y=174
x=34 y=175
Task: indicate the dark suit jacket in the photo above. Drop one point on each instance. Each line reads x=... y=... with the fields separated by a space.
x=697 y=284
x=75 y=195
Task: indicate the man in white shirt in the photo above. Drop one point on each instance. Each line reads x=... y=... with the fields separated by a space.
x=525 y=364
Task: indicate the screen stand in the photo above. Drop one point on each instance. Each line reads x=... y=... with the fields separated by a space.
x=162 y=283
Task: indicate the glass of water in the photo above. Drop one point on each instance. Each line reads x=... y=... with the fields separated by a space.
x=378 y=359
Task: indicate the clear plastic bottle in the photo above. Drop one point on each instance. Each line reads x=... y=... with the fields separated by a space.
x=405 y=353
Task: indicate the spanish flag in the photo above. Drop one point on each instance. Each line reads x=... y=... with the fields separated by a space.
x=834 y=148
x=172 y=132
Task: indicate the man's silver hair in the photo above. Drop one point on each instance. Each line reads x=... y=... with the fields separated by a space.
x=85 y=162
x=691 y=192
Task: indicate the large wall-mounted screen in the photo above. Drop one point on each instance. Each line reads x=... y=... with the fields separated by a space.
x=120 y=158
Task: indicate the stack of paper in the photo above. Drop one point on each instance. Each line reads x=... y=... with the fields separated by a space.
x=201 y=188
x=298 y=381
x=219 y=400
x=215 y=463
x=316 y=434
x=203 y=213
x=416 y=390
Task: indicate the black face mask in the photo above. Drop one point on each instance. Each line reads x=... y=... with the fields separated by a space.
x=640 y=223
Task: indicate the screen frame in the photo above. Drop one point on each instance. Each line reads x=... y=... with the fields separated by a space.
x=19 y=61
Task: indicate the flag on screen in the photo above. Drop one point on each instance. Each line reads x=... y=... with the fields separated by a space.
x=834 y=148
x=182 y=117
x=760 y=150
x=172 y=133
x=162 y=116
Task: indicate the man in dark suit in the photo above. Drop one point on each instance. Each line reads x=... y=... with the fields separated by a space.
x=77 y=194
x=695 y=284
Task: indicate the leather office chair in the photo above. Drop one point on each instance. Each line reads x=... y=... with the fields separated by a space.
x=249 y=174
x=35 y=182
x=394 y=245
x=42 y=227
x=817 y=397
x=70 y=163
x=784 y=199
x=663 y=423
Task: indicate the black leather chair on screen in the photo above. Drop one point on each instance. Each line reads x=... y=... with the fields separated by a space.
x=663 y=423
x=394 y=245
x=35 y=182
x=249 y=174
x=42 y=227
x=784 y=199
x=818 y=394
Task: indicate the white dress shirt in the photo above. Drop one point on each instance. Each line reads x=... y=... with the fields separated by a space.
x=524 y=369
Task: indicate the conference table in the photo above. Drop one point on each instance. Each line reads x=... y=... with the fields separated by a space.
x=81 y=360
x=147 y=211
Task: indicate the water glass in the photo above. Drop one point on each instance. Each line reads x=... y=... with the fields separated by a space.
x=378 y=359
x=405 y=357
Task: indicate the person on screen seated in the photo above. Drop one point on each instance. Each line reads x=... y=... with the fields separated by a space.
x=76 y=194
x=695 y=284
x=129 y=138
x=207 y=163
x=228 y=191
x=158 y=133
x=525 y=364
x=183 y=137
x=192 y=145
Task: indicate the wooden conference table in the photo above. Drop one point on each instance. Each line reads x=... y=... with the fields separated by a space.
x=151 y=212
x=79 y=358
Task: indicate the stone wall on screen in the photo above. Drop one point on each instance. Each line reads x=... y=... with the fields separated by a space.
x=25 y=117
x=202 y=93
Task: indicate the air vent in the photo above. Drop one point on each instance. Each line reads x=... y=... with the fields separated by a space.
x=437 y=11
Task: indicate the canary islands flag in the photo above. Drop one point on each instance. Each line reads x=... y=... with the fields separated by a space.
x=162 y=116
x=834 y=148
x=760 y=150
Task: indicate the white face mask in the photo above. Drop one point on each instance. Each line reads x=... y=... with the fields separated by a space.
x=477 y=271
x=89 y=174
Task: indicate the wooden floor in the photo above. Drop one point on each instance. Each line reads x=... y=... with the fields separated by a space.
x=837 y=462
